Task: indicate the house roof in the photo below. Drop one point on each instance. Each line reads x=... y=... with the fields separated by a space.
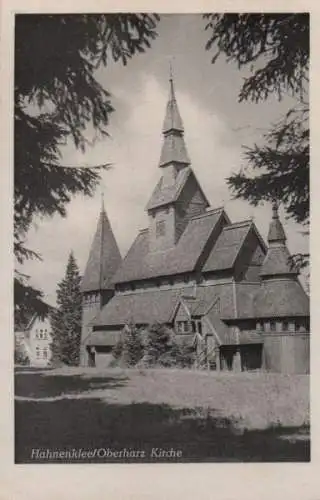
x=142 y=307
x=104 y=257
x=140 y=264
x=30 y=317
x=163 y=195
x=279 y=298
x=227 y=247
x=277 y=262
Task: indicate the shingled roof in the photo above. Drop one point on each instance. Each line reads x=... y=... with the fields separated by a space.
x=163 y=195
x=141 y=307
x=141 y=264
x=277 y=261
x=172 y=120
x=227 y=247
x=104 y=257
x=281 y=293
x=281 y=298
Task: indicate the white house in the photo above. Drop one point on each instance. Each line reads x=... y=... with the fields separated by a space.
x=35 y=341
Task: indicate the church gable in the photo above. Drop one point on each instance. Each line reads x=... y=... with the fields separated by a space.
x=250 y=257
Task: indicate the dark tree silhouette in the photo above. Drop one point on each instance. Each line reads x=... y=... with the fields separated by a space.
x=66 y=318
x=57 y=96
x=275 y=49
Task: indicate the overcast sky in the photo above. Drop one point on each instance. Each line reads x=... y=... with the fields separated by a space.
x=216 y=128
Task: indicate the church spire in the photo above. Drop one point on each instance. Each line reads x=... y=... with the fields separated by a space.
x=104 y=257
x=276 y=232
x=174 y=150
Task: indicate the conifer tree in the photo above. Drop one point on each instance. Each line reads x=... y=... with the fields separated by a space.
x=132 y=345
x=66 y=319
x=274 y=48
x=57 y=98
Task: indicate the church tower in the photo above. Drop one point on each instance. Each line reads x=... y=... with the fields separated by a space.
x=281 y=307
x=178 y=194
x=97 y=289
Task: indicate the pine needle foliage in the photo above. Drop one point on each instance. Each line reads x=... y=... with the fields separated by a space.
x=66 y=318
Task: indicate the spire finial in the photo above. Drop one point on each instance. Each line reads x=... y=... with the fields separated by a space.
x=102 y=199
x=170 y=72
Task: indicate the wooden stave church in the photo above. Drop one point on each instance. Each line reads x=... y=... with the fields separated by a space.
x=200 y=274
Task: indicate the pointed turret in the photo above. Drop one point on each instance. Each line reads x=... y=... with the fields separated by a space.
x=280 y=294
x=104 y=257
x=277 y=261
x=174 y=150
x=172 y=120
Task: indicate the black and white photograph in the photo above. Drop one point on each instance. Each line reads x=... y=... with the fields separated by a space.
x=161 y=238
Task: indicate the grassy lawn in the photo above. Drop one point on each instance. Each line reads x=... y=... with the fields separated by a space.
x=207 y=416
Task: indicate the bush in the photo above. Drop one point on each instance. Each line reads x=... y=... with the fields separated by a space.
x=129 y=349
x=158 y=344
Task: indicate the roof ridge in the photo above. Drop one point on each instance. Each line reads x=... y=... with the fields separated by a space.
x=207 y=213
x=243 y=223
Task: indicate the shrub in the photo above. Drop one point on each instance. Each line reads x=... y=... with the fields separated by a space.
x=158 y=343
x=129 y=349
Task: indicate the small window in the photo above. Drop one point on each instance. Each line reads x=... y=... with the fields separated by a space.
x=37 y=352
x=179 y=326
x=296 y=326
x=45 y=353
x=160 y=228
x=199 y=327
x=259 y=326
x=194 y=326
x=273 y=326
x=285 y=326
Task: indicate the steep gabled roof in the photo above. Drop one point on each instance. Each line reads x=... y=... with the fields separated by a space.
x=227 y=247
x=164 y=195
x=141 y=264
x=104 y=257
